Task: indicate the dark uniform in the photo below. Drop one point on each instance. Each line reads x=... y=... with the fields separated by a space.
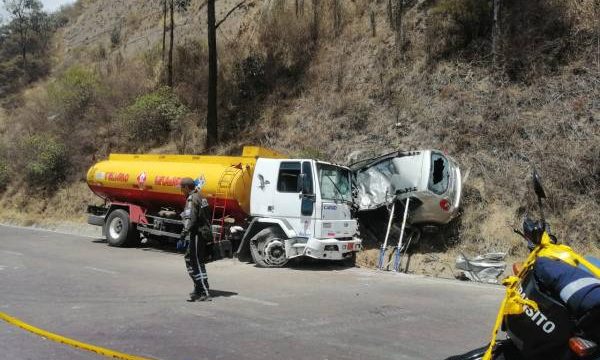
x=196 y=223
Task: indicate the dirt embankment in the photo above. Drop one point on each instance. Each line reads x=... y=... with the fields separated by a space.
x=351 y=82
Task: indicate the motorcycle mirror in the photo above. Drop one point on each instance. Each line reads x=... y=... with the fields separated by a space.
x=537 y=185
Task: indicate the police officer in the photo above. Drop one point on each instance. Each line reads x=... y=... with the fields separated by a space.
x=196 y=224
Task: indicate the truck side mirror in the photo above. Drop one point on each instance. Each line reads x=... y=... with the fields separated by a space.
x=300 y=183
x=304 y=184
x=537 y=185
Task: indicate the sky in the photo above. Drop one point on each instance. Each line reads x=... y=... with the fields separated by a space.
x=52 y=5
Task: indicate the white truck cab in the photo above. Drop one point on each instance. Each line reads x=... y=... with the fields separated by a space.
x=300 y=207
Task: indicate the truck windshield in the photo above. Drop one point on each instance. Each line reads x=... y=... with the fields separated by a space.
x=334 y=182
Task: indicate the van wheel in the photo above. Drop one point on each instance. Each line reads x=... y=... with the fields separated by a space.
x=119 y=230
x=268 y=248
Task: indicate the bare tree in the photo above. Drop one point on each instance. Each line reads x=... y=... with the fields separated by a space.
x=398 y=23
x=212 y=134
x=337 y=17
x=496 y=32
x=299 y=8
x=23 y=14
x=315 y=22
x=164 y=39
x=172 y=40
x=181 y=6
x=211 y=114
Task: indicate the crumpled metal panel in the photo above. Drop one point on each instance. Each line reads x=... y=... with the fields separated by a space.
x=378 y=183
x=483 y=268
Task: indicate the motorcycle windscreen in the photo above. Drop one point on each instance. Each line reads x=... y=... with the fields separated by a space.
x=543 y=331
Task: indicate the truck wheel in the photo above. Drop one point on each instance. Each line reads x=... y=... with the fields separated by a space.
x=349 y=261
x=119 y=230
x=268 y=249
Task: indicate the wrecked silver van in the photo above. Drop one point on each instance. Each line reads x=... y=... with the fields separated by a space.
x=430 y=177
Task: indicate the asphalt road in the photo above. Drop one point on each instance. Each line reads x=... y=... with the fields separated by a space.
x=134 y=301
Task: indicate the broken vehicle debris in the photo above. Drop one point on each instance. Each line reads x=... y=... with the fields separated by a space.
x=485 y=268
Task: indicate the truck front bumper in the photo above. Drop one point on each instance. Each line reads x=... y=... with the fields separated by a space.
x=332 y=249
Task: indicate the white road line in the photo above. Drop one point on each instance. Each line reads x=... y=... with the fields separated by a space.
x=41 y=229
x=12 y=252
x=256 y=301
x=101 y=270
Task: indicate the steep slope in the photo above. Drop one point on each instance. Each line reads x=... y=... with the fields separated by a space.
x=351 y=83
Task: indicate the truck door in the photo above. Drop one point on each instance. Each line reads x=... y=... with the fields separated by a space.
x=264 y=184
x=294 y=197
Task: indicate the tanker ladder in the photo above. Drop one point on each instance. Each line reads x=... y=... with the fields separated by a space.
x=220 y=203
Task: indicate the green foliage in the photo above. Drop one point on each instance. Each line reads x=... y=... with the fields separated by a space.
x=45 y=161
x=151 y=117
x=24 y=44
x=4 y=174
x=74 y=91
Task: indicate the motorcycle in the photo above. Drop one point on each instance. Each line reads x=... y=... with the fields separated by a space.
x=551 y=309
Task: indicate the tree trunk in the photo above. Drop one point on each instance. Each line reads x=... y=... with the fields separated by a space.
x=390 y=13
x=315 y=22
x=337 y=17
x=170 y=67
x=496 y=33
x=211 y=114
x=24 y=52
x=164 y=43
x=23 y=37
x=398 y=24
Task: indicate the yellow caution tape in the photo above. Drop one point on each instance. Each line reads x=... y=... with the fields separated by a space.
x=74 y=343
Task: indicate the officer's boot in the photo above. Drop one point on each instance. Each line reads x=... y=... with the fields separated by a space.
x=199 y=294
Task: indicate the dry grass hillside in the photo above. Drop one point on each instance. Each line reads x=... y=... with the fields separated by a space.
x=351 y=81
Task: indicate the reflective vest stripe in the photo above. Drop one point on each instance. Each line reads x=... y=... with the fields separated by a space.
x=575 y=286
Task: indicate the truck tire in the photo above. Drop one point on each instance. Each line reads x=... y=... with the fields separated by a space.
x=268 y=249
x=119 y=230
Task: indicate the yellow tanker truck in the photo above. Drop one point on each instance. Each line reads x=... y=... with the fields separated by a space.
x=265 y=207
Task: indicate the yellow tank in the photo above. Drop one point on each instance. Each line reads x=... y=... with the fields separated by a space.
x=152 y=181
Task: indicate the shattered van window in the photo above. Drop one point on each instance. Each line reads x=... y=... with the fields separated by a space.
x=439 y=174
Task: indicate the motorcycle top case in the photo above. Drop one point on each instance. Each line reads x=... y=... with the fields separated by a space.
x=543 y=331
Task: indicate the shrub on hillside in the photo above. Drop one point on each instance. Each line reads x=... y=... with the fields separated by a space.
x=73 y=92
x=44 y=160
x=149 y=120
x=4 y=174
